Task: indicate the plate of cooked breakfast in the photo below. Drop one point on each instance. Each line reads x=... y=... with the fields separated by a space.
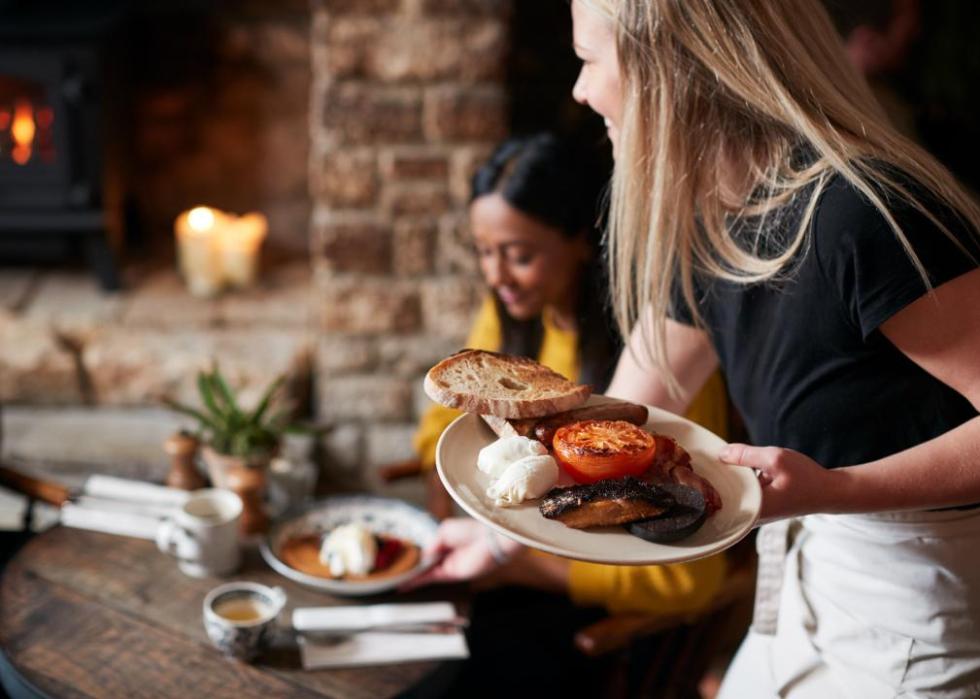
x=351 y=544
x=540 y=460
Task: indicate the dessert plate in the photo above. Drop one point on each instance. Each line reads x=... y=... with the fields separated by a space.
x=739 y=488
x=379 y=514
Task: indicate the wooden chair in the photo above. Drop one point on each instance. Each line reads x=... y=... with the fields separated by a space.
x=400 y=469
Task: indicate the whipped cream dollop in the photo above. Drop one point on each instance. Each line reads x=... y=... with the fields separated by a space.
x=495 y=458
x=525 y=479
x=349 y=549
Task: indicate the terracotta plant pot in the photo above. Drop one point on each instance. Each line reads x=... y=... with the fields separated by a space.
x=245 y=477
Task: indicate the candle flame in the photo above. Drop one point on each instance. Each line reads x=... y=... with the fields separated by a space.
x=200 y=219
x=216 y=249
x=22 y=130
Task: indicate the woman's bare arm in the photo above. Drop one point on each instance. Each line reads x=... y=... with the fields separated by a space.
x=691 y=357
x=940 y=333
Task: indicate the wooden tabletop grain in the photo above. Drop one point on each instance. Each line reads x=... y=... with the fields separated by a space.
x=84 y=614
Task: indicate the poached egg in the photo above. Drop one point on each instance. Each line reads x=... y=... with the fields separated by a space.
x=525 y=479
x=520 y=469
x=494 y=458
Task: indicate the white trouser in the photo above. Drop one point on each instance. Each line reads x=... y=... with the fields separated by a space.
x=872 y=606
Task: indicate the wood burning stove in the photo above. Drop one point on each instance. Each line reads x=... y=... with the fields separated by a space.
x=54 y=100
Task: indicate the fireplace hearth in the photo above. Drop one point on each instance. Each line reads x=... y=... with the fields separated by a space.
x=57 y=190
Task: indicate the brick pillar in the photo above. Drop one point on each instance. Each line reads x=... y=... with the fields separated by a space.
x=407 y=97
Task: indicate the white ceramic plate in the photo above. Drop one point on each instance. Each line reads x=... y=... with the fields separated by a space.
x=739 y=488
x=380 y=515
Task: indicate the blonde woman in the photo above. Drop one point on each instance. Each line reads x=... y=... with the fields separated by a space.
x=766 y=218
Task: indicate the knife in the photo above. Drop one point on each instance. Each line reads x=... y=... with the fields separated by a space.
x=331 y=637
x=421 y=627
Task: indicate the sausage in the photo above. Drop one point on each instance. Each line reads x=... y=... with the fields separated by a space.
x=545 y=428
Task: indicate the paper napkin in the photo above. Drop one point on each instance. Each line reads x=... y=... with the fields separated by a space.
x=380 y=648
x=144 y=509
x=111 y=522
x=370 y=616
x=122 y=506
x=362 y=639
x=133 y=491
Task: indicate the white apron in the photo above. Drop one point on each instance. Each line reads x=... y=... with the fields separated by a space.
x=882 y=605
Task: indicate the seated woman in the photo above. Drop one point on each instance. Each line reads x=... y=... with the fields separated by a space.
x=533 y=216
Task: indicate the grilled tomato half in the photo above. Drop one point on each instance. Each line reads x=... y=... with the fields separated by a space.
x=594 y=450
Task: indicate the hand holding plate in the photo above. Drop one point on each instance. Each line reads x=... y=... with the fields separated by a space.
x=463 y=551
x=793 y=484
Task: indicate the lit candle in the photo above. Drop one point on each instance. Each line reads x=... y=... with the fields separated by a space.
x=241 y=239
x=198 y=249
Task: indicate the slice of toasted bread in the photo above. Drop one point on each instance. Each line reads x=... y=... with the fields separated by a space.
x=491 y=383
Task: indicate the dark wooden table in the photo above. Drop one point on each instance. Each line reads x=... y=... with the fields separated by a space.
x=84 y=614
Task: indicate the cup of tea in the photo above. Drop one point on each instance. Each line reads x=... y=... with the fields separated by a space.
x=238 y=616
x=203 y=533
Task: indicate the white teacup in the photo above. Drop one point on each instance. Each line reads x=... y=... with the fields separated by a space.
x=238 y=616
x=203 y=533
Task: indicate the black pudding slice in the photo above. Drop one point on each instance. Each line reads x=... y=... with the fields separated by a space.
x=680 y=521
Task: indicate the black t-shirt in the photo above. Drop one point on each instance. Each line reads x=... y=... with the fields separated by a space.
x=804 y=360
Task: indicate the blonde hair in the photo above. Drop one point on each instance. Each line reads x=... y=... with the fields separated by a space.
x=738 y=86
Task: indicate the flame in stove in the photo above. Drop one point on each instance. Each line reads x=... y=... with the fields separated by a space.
x=22 y=130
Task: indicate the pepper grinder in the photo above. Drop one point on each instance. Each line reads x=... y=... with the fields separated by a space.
x=250 y=484
x=182 y=449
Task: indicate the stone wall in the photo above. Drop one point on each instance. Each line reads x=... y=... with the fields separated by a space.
x=70 y=352
x=408 y=96
x=356 y=125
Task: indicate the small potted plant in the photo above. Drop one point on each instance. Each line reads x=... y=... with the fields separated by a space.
x=237 y=444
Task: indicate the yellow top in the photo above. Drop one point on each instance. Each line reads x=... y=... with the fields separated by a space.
x=681 y=587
